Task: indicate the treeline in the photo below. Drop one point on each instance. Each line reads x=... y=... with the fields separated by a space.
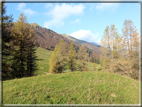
x=120 y=53
x=18 y=47
x=61 y=58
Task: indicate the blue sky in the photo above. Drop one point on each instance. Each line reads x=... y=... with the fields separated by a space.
x=85 y=21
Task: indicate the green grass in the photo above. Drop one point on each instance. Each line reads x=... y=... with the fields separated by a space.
x=72 y=88
x=43 y=56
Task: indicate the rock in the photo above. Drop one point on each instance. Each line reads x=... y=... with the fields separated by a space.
x=42 y=67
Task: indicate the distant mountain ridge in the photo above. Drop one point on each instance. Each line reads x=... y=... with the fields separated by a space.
x=48 y=39
x=91 y=45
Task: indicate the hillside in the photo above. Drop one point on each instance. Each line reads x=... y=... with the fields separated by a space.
x=48 y=39
x=72 y=88
x=91 y=45
x=42 y=61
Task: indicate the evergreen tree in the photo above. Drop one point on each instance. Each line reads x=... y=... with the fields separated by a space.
x=58 y=59
x=20 y=31
x=31 y=57
x=6 y=44
x=82 y=57
x=72 y=57
x=23 y=64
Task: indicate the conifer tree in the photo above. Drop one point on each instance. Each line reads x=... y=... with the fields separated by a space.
x=82 y=57
x=31 y=57
x=20 y=31
x=6 y=44
x=58 y=59
x=72 y=57
x=24 y=49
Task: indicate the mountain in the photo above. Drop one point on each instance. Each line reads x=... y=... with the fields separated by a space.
x=34 y=24
x=48 y=39
x=91 y=45
x=94 y=43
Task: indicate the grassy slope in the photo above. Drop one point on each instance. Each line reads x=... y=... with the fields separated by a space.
x=72 y=88
x=42 y=60
x=43 y=56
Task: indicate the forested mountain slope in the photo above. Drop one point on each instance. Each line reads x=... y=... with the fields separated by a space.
x=91 y=45
x=48 y=39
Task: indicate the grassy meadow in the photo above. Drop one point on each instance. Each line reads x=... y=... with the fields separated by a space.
x=72 y=88
x=43 y=56
x=92 y=87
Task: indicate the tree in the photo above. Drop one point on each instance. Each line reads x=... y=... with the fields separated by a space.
x=129 y=34
x=31 y=57
x=58 y=59
x=105 y=43
x=6 y=44
x=110 y=45
x=72 y=57
x=23 y=64
x=20 y=31
x=121 y=53
x=82 y=57
x=131 y=42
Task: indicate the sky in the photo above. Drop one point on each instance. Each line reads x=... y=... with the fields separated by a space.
x=85 y=21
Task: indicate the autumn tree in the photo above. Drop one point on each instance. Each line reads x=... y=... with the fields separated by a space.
x=24 y=49
x=20 y=31
x=72 y=57
x=58 y=59
x=129 y=36
x=110 y=45
x=121 y=53
x=131 y=42
x=82 y=57
x=105 y=43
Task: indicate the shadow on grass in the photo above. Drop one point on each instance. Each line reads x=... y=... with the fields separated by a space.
x=39 y=59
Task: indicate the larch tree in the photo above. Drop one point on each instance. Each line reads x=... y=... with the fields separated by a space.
x=20 y=31
x=110 y=45
x=106 y=47
x=58 y=59
x=72 y=57
x=23 y=64
x=115 y=42
x=106 y=42
x=82 y=57
x=128 y=31
x=121 y=53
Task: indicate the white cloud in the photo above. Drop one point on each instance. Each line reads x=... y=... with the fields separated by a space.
x=48 y=5
x=54 y=22
x=98 y=41
x=60 y=12
x=29 y=12
x=104 y=6
x=76 y=21
x=85 y=35
x=22 y=8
